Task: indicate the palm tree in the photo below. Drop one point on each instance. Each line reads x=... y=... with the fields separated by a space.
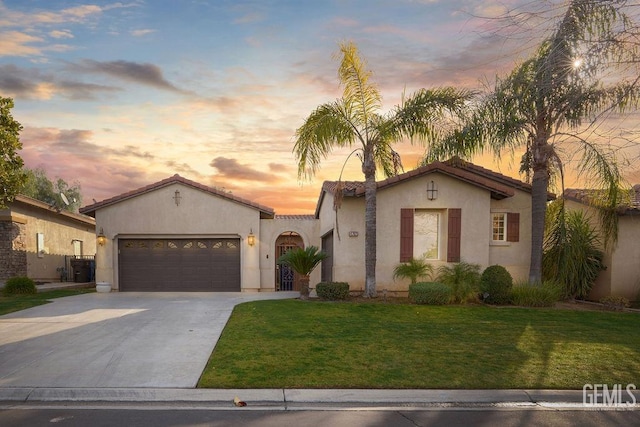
x=356 y=118
x=412 y=270
x=303 y=262
x=544 y=105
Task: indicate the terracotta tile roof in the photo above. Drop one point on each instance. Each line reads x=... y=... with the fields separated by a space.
x=265 y=211
x=295 y=217
x=582 y=195
x=500 y=186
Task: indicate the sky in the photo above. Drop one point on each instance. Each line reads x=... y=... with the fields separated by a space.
x=118 y=95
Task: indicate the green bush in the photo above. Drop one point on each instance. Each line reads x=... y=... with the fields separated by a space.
x=332 y=290
x=463 y=278
x=526 y=295
x=431 y=293
x=19 y=286
x=496 y=284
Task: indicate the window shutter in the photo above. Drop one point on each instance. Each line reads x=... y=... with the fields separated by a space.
x=406 y=235
x=513 y=227
x=454 y=235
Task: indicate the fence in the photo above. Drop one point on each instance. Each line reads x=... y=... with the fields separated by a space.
x=78 y=268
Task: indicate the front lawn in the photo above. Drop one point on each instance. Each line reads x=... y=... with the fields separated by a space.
x=21 y=302
x=298 y=344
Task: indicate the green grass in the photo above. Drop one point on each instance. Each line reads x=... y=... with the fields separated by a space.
x=296 y=344
x=9 y=304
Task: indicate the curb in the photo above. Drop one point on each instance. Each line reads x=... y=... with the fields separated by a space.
x=310 y=398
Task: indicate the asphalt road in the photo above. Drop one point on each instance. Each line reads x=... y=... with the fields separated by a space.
x=159 y=417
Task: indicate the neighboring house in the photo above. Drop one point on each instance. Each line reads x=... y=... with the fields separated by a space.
x=36 y=240
x=178 y=235
x=622 y=260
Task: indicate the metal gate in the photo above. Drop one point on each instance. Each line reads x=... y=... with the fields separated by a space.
x=286 y=276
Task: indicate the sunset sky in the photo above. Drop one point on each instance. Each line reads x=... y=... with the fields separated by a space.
x=118 y=95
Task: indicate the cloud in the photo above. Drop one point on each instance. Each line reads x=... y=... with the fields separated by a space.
x=183 y=168
x=142 y=32
x=77 y=14
x=142 y=73
x=61 y=34
x=32 y=84
x=16 y=43
x=250 y=18
x=231 y=169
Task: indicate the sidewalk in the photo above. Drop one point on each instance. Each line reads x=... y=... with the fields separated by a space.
x=292 y=399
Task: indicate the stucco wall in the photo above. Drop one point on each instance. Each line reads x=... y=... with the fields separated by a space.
x=59 y=232
x=199 y=214
x=270 y=229
x=452 y=193
x=475 y=204
x=622 y=275
x=625 y=259
x=514 y=256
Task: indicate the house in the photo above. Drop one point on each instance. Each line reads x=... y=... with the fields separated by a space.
x=37 y=240
x=179 y=235
x=622 y=259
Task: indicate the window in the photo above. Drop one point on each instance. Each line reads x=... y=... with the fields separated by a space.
x=499 y=227
x=420 y=234
x=426 y=225
x=505 y=227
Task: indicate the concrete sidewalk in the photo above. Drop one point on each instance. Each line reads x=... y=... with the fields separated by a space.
x=289 y=399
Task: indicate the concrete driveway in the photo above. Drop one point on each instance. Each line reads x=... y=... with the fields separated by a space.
x=116 y=339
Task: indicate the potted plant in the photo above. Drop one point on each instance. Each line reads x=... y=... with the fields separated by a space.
x=303 y=262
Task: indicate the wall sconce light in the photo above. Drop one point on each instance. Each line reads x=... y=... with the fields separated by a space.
x=251 y=238
x=102 y=239
x=432 y=190
x=177 y=197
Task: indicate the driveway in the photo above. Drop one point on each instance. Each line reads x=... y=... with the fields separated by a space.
x=116 y=339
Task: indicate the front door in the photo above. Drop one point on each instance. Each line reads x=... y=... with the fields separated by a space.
x=286 y=276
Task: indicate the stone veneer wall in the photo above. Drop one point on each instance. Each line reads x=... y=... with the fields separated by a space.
x=13 y=250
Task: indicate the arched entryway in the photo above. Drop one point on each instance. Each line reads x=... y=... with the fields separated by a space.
x=286 y=278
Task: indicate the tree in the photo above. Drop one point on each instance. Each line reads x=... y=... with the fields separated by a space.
x=11 y=175
x=356 y=118
x=303 y=262
x=38 y=186
x=551 y=105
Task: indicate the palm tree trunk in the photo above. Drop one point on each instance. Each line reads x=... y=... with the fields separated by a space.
x=539 y=186
x=369 y=169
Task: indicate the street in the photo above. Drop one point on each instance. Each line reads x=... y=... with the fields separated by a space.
x=96 y=416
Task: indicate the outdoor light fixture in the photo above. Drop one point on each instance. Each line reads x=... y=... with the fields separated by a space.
x=432 y=191
x=251 y=238
x=102 y=239
x=177 y=197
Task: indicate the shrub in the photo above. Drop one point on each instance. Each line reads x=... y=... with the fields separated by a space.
x=431 y=293
x=332 y=290
x=463 y=279
x=612 y=302
x=496 y=284
x=412 y=270
x=20 y=286
x=572 y=254
x=526 y=295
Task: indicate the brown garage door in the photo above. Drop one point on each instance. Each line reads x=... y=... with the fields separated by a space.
x=192 y=265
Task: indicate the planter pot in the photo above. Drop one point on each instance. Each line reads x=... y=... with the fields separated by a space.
x=103 y=287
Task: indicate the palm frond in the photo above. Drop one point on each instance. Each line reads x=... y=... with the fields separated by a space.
x=329 y=126
x=362 y=95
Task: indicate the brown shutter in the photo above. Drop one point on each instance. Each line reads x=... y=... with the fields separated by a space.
x=513 y=227
x=406 y=235
x=454 y=235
